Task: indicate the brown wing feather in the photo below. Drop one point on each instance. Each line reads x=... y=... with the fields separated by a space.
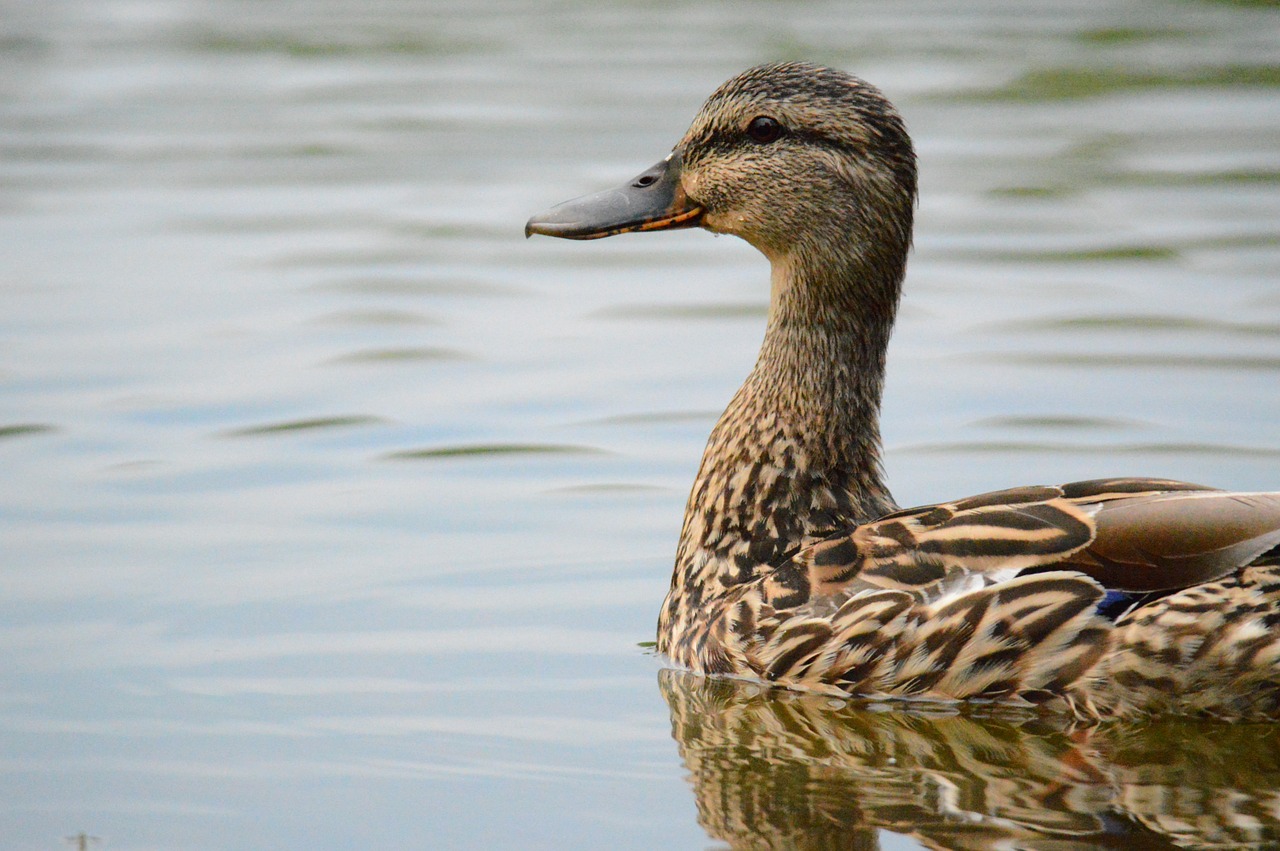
x=1131 y=534
x=1175 y=540
x=1098 y=490
x=996 y=596
x=929 y=551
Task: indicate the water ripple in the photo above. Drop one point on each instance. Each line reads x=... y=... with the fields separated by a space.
x=404 y=354
x=483 y=450
x=311 y=424
x=25 y=430
x=1085 y=450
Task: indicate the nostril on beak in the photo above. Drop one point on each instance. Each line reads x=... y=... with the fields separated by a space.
x=644 y=180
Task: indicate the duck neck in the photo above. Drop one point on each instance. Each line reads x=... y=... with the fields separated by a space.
x=797 y=454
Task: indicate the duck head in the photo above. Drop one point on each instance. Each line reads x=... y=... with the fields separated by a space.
x=806 y=163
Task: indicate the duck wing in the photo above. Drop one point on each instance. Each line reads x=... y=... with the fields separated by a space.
x=1133 y=535
x=1169 y=541
x=995 y=595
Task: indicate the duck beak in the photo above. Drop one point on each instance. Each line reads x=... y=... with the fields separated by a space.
x=655 y=200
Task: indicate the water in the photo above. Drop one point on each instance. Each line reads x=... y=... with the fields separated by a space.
x=335 y=511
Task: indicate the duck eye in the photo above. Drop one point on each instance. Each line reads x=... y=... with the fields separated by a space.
x=764 y=129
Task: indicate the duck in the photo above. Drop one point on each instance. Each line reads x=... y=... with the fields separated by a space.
x=1107 y=598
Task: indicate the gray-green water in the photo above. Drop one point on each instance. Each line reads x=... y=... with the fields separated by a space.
x=333 y=510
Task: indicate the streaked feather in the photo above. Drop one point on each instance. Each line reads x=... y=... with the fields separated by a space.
x=1000 y=597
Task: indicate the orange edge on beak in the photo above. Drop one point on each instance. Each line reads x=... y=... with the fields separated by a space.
x=683 y=219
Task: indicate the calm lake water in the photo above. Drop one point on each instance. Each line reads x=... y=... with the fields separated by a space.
x=334 y=512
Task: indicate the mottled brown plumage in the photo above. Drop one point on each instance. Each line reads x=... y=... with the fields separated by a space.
x=1115 y=596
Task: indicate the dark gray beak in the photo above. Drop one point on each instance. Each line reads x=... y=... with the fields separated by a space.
x=655 y=200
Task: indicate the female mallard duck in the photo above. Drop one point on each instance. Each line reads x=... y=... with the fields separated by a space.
x=1107 y=597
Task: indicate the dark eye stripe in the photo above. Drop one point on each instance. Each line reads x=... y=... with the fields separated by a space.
x=724 y=141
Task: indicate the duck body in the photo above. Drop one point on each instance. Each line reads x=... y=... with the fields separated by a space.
x=795 y=566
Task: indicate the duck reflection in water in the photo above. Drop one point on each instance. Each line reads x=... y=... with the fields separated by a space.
x=778 y=769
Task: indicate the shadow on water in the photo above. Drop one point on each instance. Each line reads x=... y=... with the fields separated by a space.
x=776 y=769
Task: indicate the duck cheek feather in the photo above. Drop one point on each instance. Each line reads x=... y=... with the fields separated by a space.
x=653 y=200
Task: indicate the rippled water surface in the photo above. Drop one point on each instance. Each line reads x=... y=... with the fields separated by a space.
x=334 y=512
